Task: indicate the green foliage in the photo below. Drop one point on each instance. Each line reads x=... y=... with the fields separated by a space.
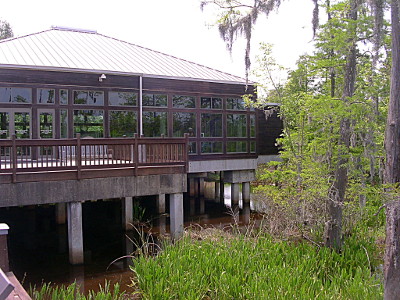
x=257 y=268
x=73 y=292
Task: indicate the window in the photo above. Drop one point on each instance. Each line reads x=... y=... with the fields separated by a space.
x=4 y=125
x=236 y=147
x=64 y=123
x=154 y=100
x=22 y=125
x=236 y=125
x=252 y=125
x=46 y=96
x=211 y=125
x=211 y=147
x=154 y=123
x=122 y=98
x=88 y=123
x=15 y=95
x=63 y=97
x=184 y=123
x=46 y=125
x=253 y=147
x=184 y=101
x=211 y=103
x=235 y=104
x=88 y=97
x=122 y=123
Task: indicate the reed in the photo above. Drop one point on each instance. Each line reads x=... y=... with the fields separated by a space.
x=244 y=267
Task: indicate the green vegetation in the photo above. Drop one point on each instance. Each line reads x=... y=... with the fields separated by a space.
x=227 y=266
x=72 y=292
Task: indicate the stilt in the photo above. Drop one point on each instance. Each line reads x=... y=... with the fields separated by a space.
x=221 y=188
x=202 y=205
x=160 y=203
x=61 y=213
x=235 y=188
x=4 y=264
x=217 y=196
x=176 y=215
x=201 y=187
x=192 y=187
x=246 y=192
x=246 y=213
x=127 y=213
x=75 y=233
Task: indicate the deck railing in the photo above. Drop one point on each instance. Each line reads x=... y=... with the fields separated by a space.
x=60 y=159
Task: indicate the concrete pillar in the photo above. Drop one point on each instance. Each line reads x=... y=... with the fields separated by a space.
x=201 y=187
x=75 y=232
x=192 y=187
x=196 y=187
x=246 y=192
x=160 y=203
x=162 y=222
x=235 y=189
x=176 y=215
x=221 y=187
x=217 y=196
x=61 y=213
x=4 y=263
x=246 y=213
x=127 y=213
x=202 y=205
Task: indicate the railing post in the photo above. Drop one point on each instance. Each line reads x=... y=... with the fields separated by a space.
x=78 y=155
x=4 y=264
x=136 y=154
x=186 y=153
x=14 y=159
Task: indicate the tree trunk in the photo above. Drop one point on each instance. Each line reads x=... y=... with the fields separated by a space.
x=336 y=195
x=392 y=167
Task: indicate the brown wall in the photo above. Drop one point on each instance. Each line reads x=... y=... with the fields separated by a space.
x=269 y=129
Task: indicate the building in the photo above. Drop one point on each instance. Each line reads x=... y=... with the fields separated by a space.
x=99 y=95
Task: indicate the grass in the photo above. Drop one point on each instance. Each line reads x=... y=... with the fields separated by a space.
x=72 y=292
x=241 y=267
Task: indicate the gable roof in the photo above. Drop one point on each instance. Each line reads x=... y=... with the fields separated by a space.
x=77 y=50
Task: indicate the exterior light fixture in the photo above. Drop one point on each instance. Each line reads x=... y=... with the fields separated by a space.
x=102 y=77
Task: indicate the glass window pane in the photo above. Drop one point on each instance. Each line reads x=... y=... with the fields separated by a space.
x=236 y=147
x=252 y=126
x=122 y=98
x=211 y=125
x=4 y=125
x=64 y=123
x=15 y=95
x=184 y=123
x=253 y=147
x=154 y=100
x=236 y=125
x=184 y=101
x=46 y=96
x=22 y=125
x=154 y=123
x=211 y=103
x=88 y=97
x=205 y=102
x=211 y=147
x=64 y=97
x=192 y=147
x=123 y=123
x=88 y=123
x=46 y=125
x=235 y=104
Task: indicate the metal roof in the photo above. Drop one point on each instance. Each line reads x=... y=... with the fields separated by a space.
x=78 y=50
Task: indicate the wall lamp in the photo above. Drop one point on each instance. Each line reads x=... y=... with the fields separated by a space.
x=102 y=77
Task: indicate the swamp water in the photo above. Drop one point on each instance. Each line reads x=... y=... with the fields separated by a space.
x=38 y=247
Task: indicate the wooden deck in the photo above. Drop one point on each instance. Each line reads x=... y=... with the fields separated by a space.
x=24 y=160
x=19 y=292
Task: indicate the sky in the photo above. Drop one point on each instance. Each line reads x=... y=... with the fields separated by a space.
x=175 y=27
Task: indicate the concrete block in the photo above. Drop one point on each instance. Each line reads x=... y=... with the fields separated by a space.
x=176 y=215
x=239 y=176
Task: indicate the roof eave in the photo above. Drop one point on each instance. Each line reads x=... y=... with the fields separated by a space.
x=108 y=72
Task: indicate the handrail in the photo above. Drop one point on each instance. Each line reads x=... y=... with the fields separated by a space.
x=19 y=156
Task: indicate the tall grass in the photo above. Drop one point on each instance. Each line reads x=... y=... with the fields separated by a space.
x=241 y=267
x=72 y=292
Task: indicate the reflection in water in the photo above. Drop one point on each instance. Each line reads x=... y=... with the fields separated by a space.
x=38 y=246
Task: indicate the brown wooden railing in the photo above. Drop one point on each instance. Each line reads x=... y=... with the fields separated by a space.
x=81 y=158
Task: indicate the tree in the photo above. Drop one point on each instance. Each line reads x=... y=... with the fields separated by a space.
x=392 y=167
x=5 y=30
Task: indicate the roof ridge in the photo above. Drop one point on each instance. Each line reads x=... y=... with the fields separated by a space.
x=23 y=36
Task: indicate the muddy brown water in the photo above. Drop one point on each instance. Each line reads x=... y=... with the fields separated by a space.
x=38 y=247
